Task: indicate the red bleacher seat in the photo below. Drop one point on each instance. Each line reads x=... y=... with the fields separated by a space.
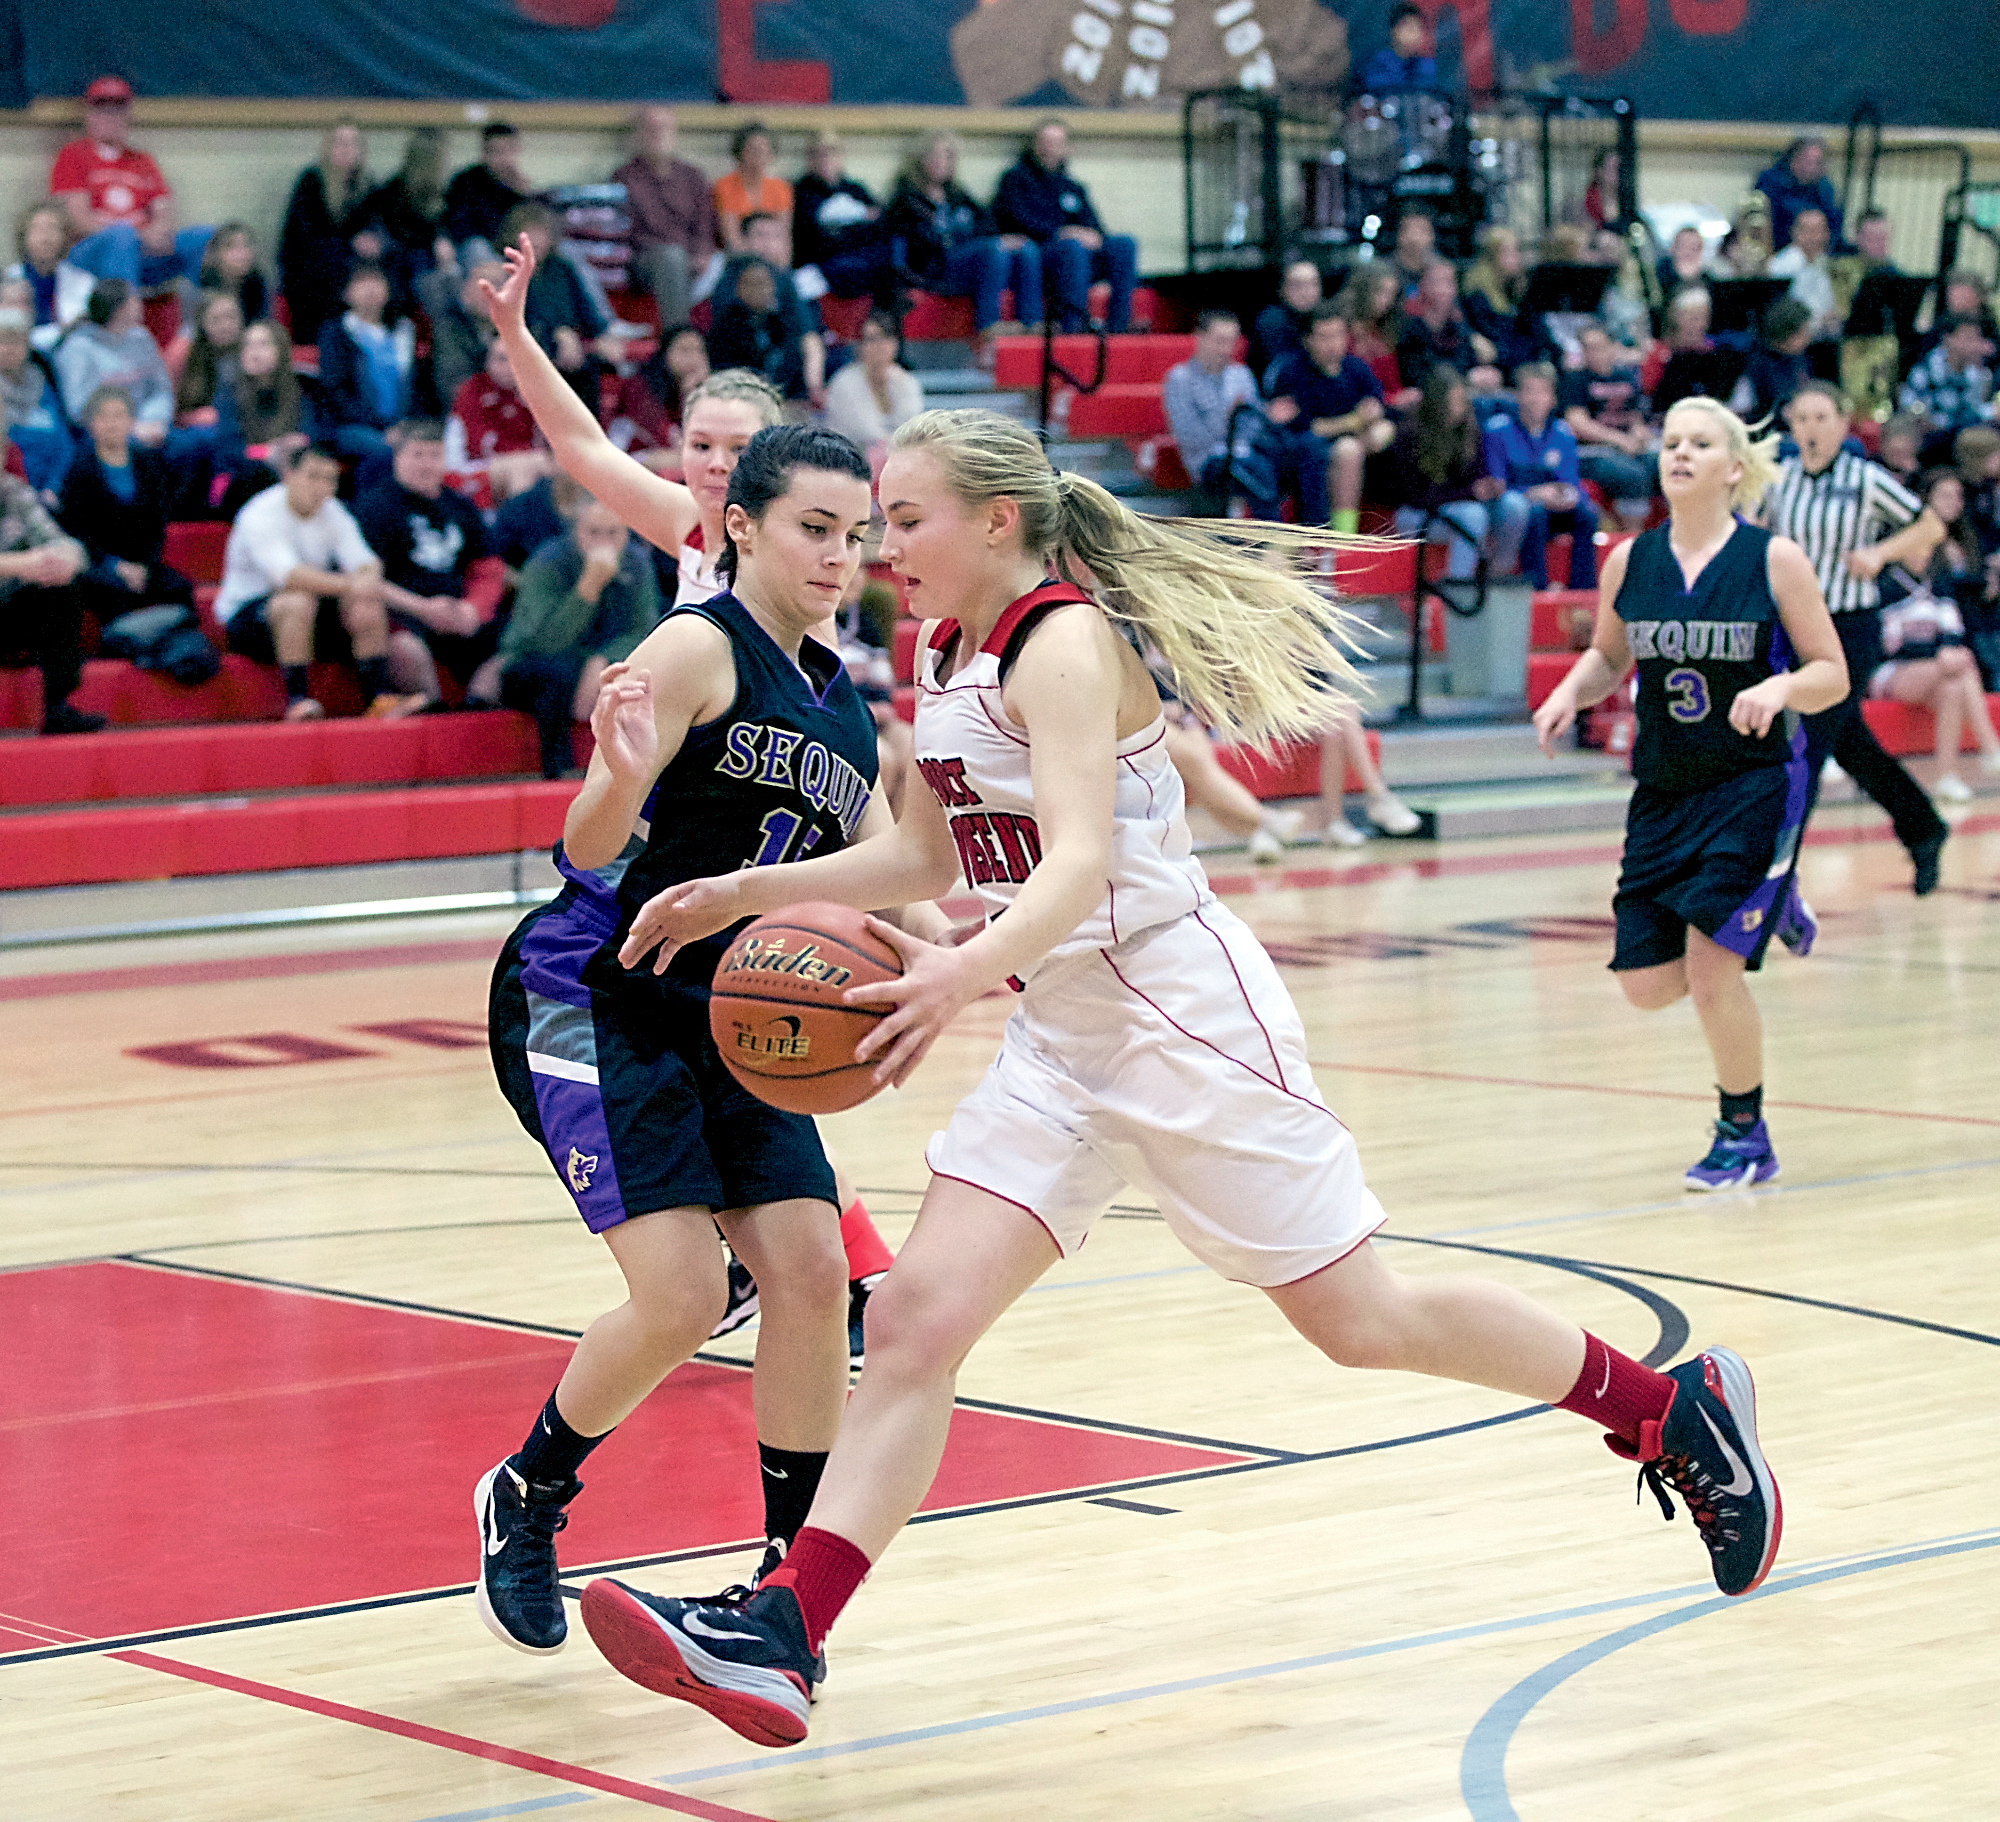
x=1160 y=457
x=1291 y=771
x=845 y=315
x=1545 y=671
x=1119 y=410
x=905 y=652
x=1128 y=359
x=195 y=548
x=1904 y=729
x=1555 y=613
x=932 y=318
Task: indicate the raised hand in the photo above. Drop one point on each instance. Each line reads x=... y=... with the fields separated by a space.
x=623 y=724
x=922 y=1001
x=508 y=305
x=681 y=915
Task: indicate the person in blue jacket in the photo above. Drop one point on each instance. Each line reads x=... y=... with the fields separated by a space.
x=1533 y=454
x=1040 y=199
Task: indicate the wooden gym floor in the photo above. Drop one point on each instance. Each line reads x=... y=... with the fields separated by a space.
x=282 y=1276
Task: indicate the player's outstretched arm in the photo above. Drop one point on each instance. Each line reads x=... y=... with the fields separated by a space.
x=660 y=511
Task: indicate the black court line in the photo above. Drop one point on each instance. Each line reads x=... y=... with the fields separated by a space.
x=1133 y=1505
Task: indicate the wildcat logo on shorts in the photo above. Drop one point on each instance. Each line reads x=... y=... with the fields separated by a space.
x=773 y=1044
x=578 y=1170
x=1751 y=919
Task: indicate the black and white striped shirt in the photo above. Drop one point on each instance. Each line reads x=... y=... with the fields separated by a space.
x=1849 y=503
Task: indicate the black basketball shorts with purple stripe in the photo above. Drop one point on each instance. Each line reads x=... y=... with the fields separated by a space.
x=616 y=1077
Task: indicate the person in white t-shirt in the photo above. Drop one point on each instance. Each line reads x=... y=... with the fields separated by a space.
x=297 y=569
x=869 y=398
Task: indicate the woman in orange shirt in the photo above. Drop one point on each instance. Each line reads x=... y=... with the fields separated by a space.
x=750 y=189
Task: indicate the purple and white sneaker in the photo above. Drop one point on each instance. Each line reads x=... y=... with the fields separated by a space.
x=1735 y=1160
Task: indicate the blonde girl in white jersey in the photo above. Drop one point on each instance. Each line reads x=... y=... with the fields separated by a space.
x=1153 y=1044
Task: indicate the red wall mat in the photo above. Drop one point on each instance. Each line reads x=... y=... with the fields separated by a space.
x=1292 y=771
x=182 y=1450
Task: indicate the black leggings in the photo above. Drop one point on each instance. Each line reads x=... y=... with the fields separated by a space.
x=543 y=684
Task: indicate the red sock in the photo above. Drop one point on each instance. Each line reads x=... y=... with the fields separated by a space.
x=1630 y=1400
x=822 y=1569
x=867 y=1252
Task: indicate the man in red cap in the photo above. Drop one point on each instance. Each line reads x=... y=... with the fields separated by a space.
x=120 y=207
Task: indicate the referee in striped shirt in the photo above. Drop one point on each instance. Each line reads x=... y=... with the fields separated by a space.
x=1837 y=507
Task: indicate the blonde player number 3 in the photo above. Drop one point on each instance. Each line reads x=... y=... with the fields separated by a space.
x=1153 y=1043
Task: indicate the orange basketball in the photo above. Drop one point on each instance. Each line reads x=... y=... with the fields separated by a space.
x=776 y=1011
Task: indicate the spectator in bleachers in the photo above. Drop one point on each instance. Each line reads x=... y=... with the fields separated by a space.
x=1964 y=293
x=1977 y=454
x=1797 y=182
x=753 y=331
x=461 y=331
x=480 y=196
x=1435 y=334
x=563 y=315
x=1415 y=248
x=1605 y=411
x=1623 y=308
x=1330 y=406
x=1438 y=471
x=491 y=430
x=402 y=223
x=1372 y=302
x=31 y=405
x=1926 y=661
x=116 y=501
x=1778 y=364
x=61 y=287
x=1039 y=198
x=1599 y=208
x=120 y=208
x=1803 y=260
x=1534 y=455
x=1900 y=444
x=952 y=245
x=298 y=575
x=646 y=421
x=229 y=264
x=259 y=417
x=1280 y=328
x=366 y=371
x=531 y=518
x=1202 y=397
x=767 y=240
x=583 y=602
x=871 y=396
x=41 y=612
x=1686 y=334
x=1492 y=291
x=110 y=347
x=1952 y=386
x=1872 y=235
x=428 y=536
x=1746 y=249
x=748 y=188
x=838 y=230
x=327 y=214
x=211 y=351
x=1405 y=62
x=1684 y=263
x=672 y=211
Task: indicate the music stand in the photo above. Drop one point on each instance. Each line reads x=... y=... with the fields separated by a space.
x=1565 y=287
x=1740 y=303
x=1699 y=373
x=1886 y=302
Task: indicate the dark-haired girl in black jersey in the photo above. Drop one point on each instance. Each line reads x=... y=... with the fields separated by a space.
x=1733 y=644
x=729 y=738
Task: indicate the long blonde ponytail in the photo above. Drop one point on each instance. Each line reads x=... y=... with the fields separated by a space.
x=1256 y=651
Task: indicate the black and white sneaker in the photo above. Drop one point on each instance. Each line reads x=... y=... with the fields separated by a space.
x=737 y=1593
x=742 y=1303
x=1706 y=1449
x=858 y=1293
x=747 y=1663
x=520 y=1600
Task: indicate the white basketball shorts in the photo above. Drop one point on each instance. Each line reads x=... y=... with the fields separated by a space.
x=1173 y=1062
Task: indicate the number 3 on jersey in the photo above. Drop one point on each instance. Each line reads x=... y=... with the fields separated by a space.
x=1687 y=694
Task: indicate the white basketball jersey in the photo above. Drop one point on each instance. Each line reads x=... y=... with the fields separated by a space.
x=698 y=580
x=976 y=763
